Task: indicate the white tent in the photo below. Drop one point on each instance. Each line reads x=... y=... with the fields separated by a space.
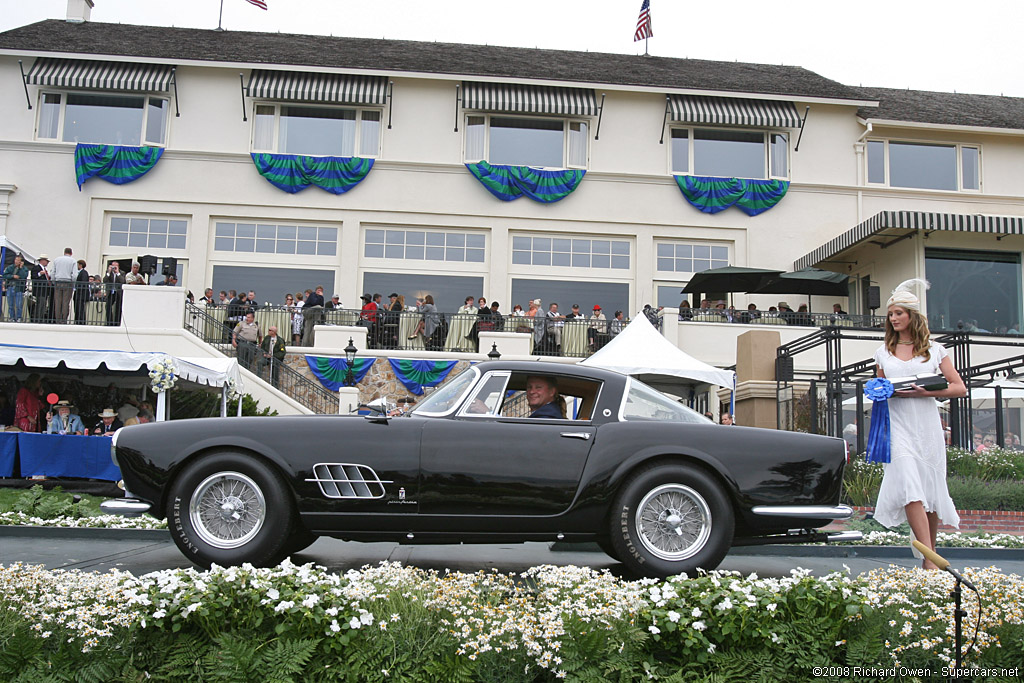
x=213 y=372
x=641 y=351
x=7 y=245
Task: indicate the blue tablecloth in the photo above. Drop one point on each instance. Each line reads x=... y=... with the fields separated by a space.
x=57 y=455
x=8 y=447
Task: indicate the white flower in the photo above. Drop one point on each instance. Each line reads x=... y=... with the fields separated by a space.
x=273 y=594
x=354 y=623
x=654 y=629
x=726 y=604
x=366 y=618
x=699 y=625
x=771 y=607
x=775 y=638
x=311 y=600
x=696 y=612
x=673 y=616
x=335 y=627
x=711 y=649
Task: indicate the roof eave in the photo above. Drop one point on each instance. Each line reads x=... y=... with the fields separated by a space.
x=952 y=128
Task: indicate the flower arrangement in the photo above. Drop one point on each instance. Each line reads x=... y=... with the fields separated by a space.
x=163 y=375
x=233 y=393
x=384 y=622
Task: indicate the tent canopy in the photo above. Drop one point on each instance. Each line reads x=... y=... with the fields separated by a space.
x=641 y=351
x=6 y=245
x=213 y=372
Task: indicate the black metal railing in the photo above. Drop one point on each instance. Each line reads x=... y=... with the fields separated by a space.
x=49 y=302
x=444 y=332
x=218 y=333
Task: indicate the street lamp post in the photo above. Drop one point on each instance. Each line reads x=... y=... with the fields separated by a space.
x=493 y=354
x=350 y=358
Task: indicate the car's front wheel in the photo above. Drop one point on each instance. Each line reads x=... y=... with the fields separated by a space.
x=229 y=508
x=671 y=518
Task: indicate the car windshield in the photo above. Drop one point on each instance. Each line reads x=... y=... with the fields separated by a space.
x=448 y=395
x=644 y=403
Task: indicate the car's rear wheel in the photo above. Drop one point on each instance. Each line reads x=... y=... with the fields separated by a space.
x=229 y=508
x=671 y=518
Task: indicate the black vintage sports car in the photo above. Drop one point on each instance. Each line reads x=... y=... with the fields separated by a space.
x=658 y=486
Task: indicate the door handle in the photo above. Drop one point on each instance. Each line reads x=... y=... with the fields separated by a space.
x=576 y=435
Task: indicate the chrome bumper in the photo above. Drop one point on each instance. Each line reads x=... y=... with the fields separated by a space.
x=127 y=507
x=805 y=511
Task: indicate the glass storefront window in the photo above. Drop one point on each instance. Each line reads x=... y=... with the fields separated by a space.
x=977 y=291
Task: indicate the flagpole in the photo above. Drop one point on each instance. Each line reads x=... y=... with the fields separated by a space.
x=647 y=38
x=220 y=18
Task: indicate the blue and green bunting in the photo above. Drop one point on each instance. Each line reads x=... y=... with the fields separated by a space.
x=293 y=173
x=332 y=372
x=712 y=195
x=416 y=374
x=512 y=182
x=113 y=163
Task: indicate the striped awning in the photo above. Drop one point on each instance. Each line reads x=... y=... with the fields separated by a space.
x=302 y=86
x=912 y=220
x=730 y=111
x=92 y=75
x=529 y=99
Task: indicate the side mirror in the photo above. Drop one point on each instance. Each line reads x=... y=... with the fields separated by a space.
x=381 y=405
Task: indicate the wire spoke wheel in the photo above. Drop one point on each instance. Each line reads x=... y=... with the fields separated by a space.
x=673 y=522
x=227 y=510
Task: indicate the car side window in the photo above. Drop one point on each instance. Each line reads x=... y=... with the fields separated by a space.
x=487 y=400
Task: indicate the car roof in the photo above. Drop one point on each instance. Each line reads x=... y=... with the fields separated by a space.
x=549 y=368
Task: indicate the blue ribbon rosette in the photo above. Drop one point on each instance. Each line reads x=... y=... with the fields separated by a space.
x=878 y=390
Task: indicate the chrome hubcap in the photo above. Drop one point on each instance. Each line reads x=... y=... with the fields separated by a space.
x=673 y=522
x=227 y=510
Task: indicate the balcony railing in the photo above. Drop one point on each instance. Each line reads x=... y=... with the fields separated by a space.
x=44 y=302
x=215 y=331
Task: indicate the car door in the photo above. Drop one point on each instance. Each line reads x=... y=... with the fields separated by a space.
x=483 y=465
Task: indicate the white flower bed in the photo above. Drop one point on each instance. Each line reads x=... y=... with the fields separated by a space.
x=96 y=522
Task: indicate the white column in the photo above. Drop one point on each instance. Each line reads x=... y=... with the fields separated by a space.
x=348 y=400
x=161 y=406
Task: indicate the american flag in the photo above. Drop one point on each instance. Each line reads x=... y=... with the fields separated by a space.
x=643 y=22
x=259 y=3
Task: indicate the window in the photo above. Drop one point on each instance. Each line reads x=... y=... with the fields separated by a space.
x=264 y=238
x=729 y=153
x=644 y=403
x=130 y=120
x=147 y=233
x=570 y=252
x=316 y=131
x=675 y=257
x=423 y=245
x=927 y=166
x=515 y=141
x=976 y=291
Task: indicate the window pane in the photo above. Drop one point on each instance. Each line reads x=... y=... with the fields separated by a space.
x=455 y=239
x=111 y=119
x=455 y=254
x=701 y=264
x=219 y=244
x=156 y=120
x=602 y=246
x=876 y=161
x=475 y=255
x=620 y=262
x=414 y=253
x=435 y=239
x=680 y=150
x=374 y=251
x=780 y=155
x=666 y=264
x=684 y=265
x=415 y=237
x=518 y=257
x=720 y=253
x=620 y=248
x=476 y=241
x=177 y=227
x=245 y=230
x=326 y=248
x=922 y=166
x=139 y=225
x=266 y=231
x=306 y=233
x=561 y=259
x=264 y=246
x=119 y=239
x=684 y=250
x=435 y=253
x=327 y=234
x=157 y=241
x=286 y=232
x=979 y=289
x=578 y=144
x=701 y=251
x=175 y=241
x=541 y=258
x=728 y=154
x=318 y=131
x=600 y=261
x=970 y=162
x=287 y=247
x=522 y=243
x=369 y=134
x=49 y=116
x=305 y=248
x=475 y=129
x=394 y=251
x=263 y=128
x=245 y=244
x=561 y=245
x=395 y=237
x=120 y=224
x=526 y=142
x=666 y=249
x=158 y=226
x=375 y=236
x=581 y=260
x=542 y=244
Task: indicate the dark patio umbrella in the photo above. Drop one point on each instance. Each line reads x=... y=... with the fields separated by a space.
x=810 y=281
x=728 y=279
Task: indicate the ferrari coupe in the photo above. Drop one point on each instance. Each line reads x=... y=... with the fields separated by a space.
x=655 y=484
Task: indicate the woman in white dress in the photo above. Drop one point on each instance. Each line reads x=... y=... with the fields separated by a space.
x=296 y=313
x=914 y=485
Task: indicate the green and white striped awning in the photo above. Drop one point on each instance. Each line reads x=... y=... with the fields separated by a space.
x=92 y=75
x=529 y=99
x=302 y=86
x=912 y=220
x=730 y=111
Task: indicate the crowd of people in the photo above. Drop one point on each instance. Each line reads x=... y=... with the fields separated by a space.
x=718 y=311
x=30 y=412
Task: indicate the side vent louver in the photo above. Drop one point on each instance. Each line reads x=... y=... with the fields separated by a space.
x=347 y=480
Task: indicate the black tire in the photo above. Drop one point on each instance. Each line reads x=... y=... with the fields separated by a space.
x=229 y=508
x=300 y=539
x=671 y=518
x=606 y=546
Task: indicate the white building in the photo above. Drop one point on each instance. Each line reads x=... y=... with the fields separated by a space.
x=847 y=163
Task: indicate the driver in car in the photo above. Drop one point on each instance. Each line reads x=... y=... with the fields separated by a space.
x=542 y=397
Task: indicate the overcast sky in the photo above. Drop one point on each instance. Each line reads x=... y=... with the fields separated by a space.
x=941 y=45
